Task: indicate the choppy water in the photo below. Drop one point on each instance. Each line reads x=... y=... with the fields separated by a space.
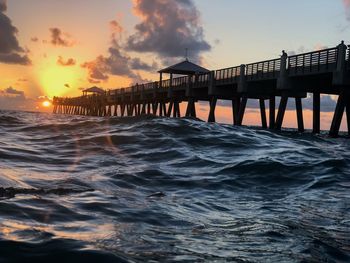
x=169 y=190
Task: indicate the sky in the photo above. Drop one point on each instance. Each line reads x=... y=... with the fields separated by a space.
x=59 y=47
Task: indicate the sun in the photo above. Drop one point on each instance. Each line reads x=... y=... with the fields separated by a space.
x=46 y=103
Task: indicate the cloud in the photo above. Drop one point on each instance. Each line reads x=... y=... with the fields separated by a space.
x=67 y=85
x=13 y=99
x=34 y=39
x=347 y=8
x=66 y=63
x=116 y=29
x=3 y=5
x=12 y=91
x=57 y=38
x=137 y=64
x=10 y=50
x=168 y=28
x=96 y=69
x=93 y=81
x=117 y=62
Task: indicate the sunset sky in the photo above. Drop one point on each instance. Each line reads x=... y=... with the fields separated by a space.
x=58 y=47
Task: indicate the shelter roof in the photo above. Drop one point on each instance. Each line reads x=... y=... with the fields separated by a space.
x=94 y=90
x=184 y=68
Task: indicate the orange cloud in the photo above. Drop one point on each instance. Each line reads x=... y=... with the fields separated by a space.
x=58 y=38
x=66 y=63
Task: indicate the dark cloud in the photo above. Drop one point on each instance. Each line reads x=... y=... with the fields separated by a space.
x=12 y=91
x=117 y=63
x=13 y=99
x=34 y=39
x=10 y=50
x=67 y=85
x=96 y=69
x=137 y=64
x=14 y=58
x=168 y=28
x=3 y=5
x=66 y=63
x=58 y=38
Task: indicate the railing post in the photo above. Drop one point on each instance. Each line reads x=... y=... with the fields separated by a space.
x=242 y=84
x=122 y=91
x=132 y=96
x=339 y=73
x=171 y=90
x=189 y=89
x=156 y=85
x=142 y=92
x=282 y=81
x=212 y=86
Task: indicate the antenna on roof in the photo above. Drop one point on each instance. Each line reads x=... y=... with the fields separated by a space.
x=186 y=54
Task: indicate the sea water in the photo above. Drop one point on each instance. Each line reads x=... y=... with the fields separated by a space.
x=149 y=189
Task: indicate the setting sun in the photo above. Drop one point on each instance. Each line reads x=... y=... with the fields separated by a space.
x=46 y=103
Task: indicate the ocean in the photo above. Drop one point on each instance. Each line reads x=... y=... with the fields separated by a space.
x=150 y=189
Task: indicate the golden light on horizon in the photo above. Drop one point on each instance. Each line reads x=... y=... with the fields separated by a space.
x=59 y=81
x=46 y=103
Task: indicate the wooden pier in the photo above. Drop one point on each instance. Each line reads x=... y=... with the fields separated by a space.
x=288 y=77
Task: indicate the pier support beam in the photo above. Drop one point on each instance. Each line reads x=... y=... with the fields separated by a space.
x=281 y=112
x=176 y=112
x=211 y=117
x=155 y=108
x=316 y=127
x=241 y=112
x=263 y=113
x=143 y=110
x=299 y=110
x=348 y=114
x=191 y=108
x=338 y=115
x=235 y=109
x=171 y=104
x=272 y=113
x=122 y=109
x=164 y=109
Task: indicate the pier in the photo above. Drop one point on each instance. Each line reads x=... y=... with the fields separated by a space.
x=288 y=77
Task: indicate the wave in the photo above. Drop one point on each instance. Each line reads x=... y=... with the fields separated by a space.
x=149 y=189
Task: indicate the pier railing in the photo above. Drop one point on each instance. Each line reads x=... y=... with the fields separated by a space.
x=201 y=80
x=313 y=62
x=316 y=62
x=268 y=69
x=180 y=82
x=227 y=75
